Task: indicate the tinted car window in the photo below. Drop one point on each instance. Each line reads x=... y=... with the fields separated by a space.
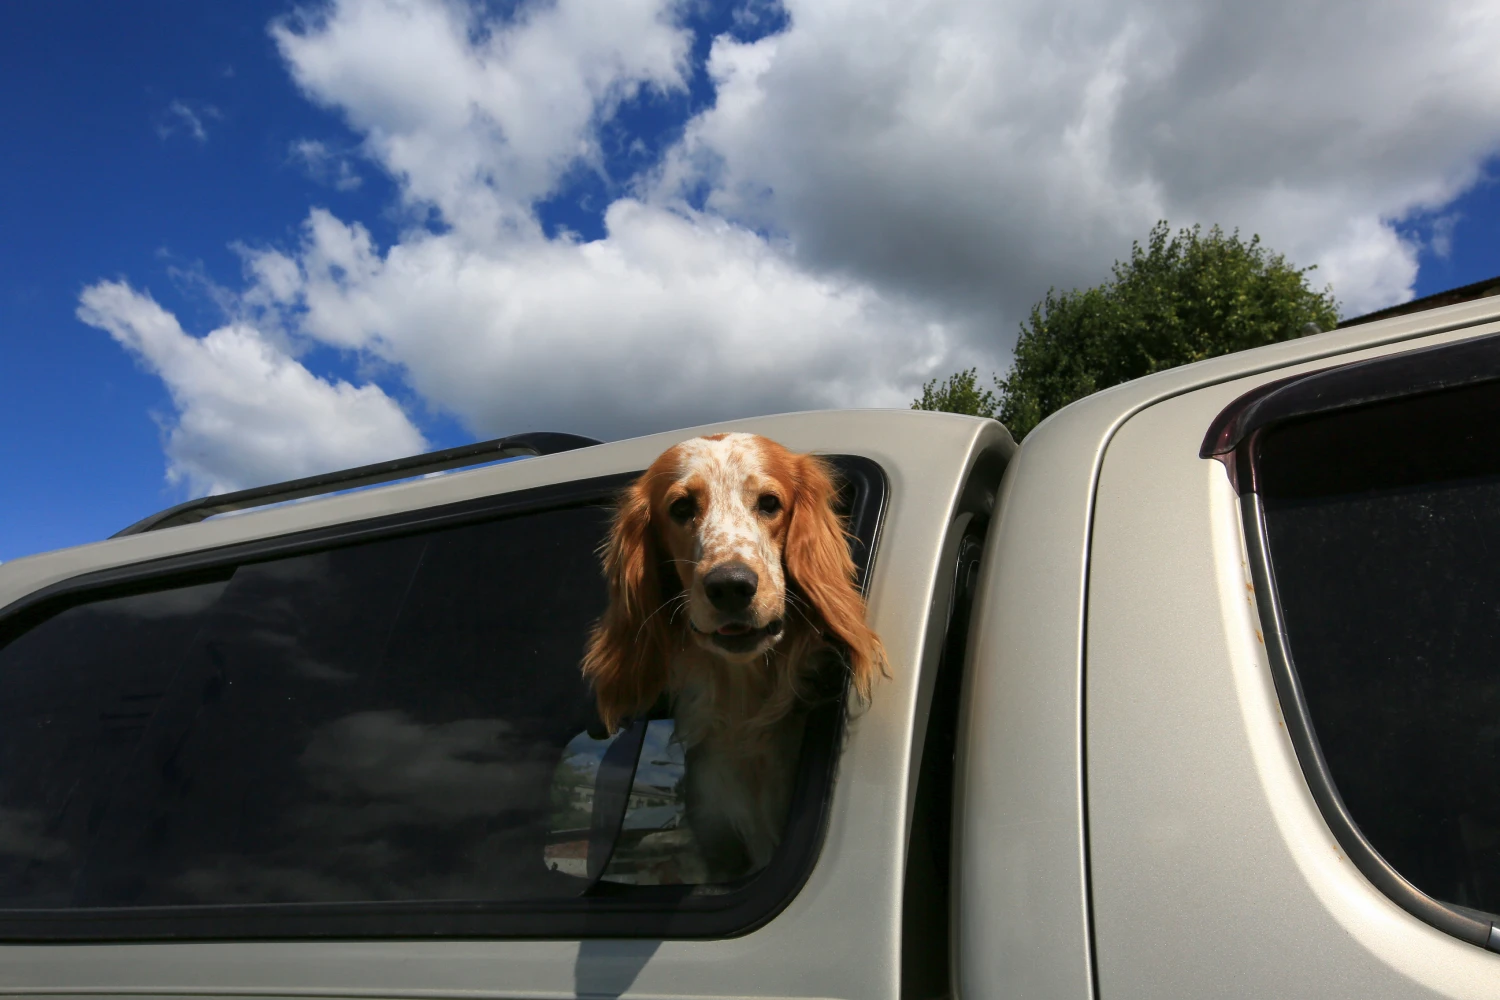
x=1383 y=525
x=377 y=721
x=376 y=729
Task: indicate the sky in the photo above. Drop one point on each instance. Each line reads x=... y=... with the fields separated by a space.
x=254 y=241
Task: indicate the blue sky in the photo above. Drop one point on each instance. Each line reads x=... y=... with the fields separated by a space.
x=645 y=203
x=104 y=178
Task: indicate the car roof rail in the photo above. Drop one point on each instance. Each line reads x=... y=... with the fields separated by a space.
x=514 y=446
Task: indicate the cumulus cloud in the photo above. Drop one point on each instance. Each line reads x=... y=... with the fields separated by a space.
x=479 y=117
x=674 y=317
x=876 y=194
x=668 y=320
x=246 y=412
x=980 y=152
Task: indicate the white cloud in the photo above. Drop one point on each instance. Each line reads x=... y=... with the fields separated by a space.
x=181 y=116
x=325 y=165
x=247 y=413
x=475 y=117
x=1442 y=234
x=668 y=319
x=981 y=151
x=674 y=317
x=878 y=193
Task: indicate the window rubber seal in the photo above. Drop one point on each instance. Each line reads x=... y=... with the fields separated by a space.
x=603 y=910
x=1234 y=438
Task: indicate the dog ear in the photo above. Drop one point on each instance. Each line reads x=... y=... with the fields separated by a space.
x=818 y=562
x=626 y=659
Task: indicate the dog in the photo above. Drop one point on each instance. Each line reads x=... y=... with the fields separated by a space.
x=730 y=587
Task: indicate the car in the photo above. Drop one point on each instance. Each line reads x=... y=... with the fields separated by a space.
x=1190 y=694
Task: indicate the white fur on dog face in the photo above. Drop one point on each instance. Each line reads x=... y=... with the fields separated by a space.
x=727 y=477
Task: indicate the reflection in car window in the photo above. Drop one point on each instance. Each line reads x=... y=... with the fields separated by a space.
x=655 y=845
x=380 y=721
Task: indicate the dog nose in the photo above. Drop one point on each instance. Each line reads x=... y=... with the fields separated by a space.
x=731 y=586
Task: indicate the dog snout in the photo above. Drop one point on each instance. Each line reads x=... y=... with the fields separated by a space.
x=730 y=587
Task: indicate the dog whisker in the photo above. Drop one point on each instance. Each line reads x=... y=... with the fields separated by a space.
x=803 y=615
x=795 y=600
x=653 y=614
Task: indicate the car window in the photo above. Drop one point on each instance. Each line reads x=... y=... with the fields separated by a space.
x=375 y=721
x=1383 y=529
x=376 y=729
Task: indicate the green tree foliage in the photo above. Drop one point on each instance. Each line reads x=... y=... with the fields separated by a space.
x=959 y=393
x=1179 y=299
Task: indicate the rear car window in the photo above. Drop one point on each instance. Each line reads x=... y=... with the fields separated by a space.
x=1383 y=529
x=375 y=730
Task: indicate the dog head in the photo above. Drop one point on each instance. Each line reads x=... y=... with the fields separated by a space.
x=729 y=542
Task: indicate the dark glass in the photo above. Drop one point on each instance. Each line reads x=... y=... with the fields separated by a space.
x=1383 y=525
x=377 y=721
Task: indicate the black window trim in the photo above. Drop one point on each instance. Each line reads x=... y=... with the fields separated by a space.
x=1234 y=438
x=607 y=909
x=479 y=453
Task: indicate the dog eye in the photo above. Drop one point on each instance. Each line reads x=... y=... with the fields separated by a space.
x=682 y=510
x=770 y=503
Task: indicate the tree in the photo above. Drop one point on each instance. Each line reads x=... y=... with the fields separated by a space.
x=1179 y=299
x=958 y=393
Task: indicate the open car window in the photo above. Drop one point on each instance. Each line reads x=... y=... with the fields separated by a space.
x=374 y=730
